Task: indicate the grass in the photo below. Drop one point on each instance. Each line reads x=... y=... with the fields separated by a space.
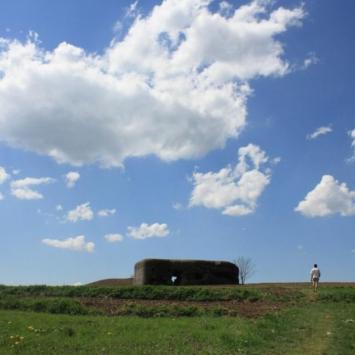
x=47 y=305
x=308 y=323
x=75 y=307
x=321 y=329
x=136 y=292
x=337 y=294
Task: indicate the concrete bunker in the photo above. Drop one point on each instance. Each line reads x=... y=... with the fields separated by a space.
x=185 y=272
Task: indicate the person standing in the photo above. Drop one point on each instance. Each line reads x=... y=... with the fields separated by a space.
x=315 y=276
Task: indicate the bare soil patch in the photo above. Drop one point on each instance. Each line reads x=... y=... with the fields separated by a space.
x=112 y=282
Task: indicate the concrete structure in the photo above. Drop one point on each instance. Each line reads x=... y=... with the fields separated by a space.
x=185 y=272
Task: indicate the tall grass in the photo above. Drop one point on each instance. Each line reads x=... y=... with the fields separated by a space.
x=49 y=305
x=337 y=294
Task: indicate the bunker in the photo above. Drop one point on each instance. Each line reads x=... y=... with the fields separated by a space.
x=185 y=272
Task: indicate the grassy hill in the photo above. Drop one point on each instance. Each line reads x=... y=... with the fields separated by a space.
x=253 y=319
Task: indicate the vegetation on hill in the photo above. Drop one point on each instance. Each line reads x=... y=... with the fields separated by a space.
x=264 y=319
x=182 y=293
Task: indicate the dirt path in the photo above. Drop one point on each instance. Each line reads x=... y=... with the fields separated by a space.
x=320 y=328
x=317 y=342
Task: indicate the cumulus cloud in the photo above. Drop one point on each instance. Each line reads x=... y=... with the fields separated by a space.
x=3 y=175
x=113 y=238
x=234 y=190
x=319 y=132
x=22 y=188
x=148 y=231
x=352 y=136
x=329 y=197
x=81 y=212
x=76 y=243
x=106 y=212
x=175 y=86
x=71 y=178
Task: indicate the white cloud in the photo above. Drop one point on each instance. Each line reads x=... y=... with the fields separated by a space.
x=16 y=171
x=117 y=27
x=71 y=178
x=26 y=194
x=327 y=198
x=310 y=60
x=234 y=190
x=29 y=181
x=177 y=206
x=106 y=212
x=319 y=131
x=59 y=208
x=82 y=212
x=113 y=238
x=237 y=210
x=352 y=136
x=3 y=175
x=1 y=196
x=276 y=160
x=22 y=190
x=132 y=10
x=76 y=243
x=225 y=8
x=176 y=86
x=148 y=231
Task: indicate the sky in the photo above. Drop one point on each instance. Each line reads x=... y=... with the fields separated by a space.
x=185 y=129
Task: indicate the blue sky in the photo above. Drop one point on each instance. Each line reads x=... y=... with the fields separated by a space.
x=183 y=129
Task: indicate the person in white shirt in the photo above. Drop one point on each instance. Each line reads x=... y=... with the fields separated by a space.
x=315 y=276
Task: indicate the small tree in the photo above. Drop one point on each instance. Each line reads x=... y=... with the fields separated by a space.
x=246 y=268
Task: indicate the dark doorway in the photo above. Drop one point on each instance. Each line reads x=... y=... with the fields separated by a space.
x=176 y=279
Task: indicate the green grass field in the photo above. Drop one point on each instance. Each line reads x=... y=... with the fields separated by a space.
x=265 y=319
